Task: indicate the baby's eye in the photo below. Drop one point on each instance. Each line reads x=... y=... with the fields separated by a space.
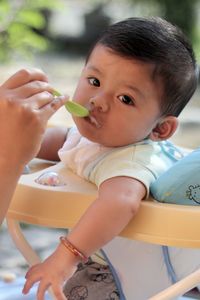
x=94 y=81
x=126 y=100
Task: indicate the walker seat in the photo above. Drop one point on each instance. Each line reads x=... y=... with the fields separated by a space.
x=61 y=207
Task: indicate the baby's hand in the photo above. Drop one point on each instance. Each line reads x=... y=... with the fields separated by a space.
x=53 y=272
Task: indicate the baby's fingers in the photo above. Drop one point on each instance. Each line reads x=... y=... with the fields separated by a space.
x=28 y=285
x=54 y=289
x=58 y=292
x=43 y=287
x=31 y=279
x=31 y=270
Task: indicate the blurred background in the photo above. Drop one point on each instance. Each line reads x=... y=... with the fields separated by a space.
x=55 y=35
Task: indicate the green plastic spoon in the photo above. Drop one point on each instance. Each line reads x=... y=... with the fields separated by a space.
x=73 y=107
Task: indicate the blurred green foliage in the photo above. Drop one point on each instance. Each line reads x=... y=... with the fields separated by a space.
x=20 y=23
x=23 y=21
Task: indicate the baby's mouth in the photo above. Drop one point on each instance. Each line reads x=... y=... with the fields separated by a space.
x=91 y=117
x=93 y=121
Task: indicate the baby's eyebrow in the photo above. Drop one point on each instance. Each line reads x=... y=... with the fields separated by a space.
x=93 y=68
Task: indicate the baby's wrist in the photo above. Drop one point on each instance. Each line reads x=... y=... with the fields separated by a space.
x=66 y=256
x=72 y=250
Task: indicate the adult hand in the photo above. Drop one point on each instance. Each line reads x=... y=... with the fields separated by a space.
x=26 y=104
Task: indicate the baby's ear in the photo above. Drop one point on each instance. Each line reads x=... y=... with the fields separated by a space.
x=164 y=129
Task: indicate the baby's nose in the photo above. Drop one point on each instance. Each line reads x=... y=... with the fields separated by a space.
x=99 y=103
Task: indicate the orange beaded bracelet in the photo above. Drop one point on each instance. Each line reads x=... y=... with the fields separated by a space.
x=73 y=249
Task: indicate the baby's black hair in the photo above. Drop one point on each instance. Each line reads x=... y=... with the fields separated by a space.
x=156 y=41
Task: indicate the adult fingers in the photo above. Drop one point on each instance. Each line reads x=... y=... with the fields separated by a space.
x=31 y=88
x=49 y=109
x=23 y=76
x=39 y=100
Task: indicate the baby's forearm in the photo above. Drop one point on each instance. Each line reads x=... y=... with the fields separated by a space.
x=99 y=225
x=106 y=218
x=49 y=150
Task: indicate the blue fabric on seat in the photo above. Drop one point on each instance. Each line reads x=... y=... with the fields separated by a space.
x=181 y=183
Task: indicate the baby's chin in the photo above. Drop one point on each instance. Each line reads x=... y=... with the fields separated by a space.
x=93 y=136
x=103 y=141
x=99 y=136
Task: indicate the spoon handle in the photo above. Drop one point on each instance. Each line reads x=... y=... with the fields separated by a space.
x=73 y=107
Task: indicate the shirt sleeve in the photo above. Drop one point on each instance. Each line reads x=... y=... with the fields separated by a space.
x=138 y=162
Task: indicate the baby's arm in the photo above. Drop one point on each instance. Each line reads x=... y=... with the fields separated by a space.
x=53 y=140
x=117 y=203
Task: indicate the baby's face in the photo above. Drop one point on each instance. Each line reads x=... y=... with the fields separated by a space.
x=122 y=96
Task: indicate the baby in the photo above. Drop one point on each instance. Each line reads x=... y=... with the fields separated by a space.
x=136 y=80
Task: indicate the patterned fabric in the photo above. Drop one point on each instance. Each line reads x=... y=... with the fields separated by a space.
x=91 y=281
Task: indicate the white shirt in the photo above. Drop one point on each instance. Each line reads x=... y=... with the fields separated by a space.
x=143 y=161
